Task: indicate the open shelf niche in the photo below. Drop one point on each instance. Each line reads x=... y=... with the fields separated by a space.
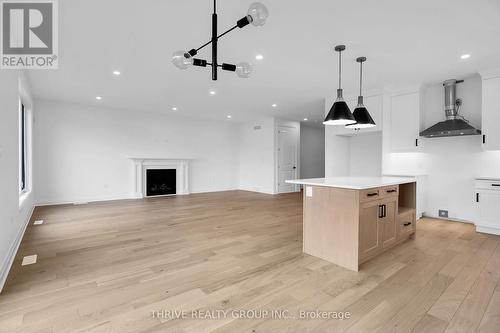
x=407 y=198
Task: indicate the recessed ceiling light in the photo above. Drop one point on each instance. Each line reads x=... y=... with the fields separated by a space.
x=98 y=98
x=229 y=116
x=259 y=57
x=174 y=108
x=116 y=73
x=212 y=92
x=274 y=105
x=305 y=119
x=465 y=56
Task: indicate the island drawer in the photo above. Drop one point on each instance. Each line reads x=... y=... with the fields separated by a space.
x=407 y=224
x=370 y=194
x=389 y=191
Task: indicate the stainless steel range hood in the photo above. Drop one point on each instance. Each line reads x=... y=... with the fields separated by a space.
x=454 y=125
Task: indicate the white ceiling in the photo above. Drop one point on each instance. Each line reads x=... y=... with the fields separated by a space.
x=406 y=43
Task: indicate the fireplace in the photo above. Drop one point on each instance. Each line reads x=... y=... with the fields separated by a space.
x=161 y=182
x=144 y=164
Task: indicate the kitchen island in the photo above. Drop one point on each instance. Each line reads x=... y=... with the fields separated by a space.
x=349 y=220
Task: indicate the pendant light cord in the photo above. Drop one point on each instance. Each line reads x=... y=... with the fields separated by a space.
x=340 y=69
x=361 y=80
x=215 y=7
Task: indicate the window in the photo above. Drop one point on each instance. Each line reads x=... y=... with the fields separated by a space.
x=23 y=149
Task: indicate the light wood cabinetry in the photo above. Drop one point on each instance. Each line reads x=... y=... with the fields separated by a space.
x=406 y=224
x=370 y=229
x=377 y=227
x=349 y=227
x=388 y=224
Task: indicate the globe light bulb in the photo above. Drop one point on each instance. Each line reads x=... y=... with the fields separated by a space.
x=244 y=70
x=182 y=60
x=258 y=14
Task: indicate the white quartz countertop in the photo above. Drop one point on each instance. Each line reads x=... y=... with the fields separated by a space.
x=354 y=183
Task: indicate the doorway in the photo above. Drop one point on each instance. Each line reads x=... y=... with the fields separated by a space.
x=287 y=157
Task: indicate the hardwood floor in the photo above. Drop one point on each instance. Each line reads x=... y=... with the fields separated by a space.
x=106 y=267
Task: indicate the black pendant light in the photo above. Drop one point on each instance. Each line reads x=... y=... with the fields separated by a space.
x=361 y=114
x=339 y=113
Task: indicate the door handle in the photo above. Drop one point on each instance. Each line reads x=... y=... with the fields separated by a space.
x=372 y=194
x=391 y=191
x=295 y=167
x=407 y=224
x=381 y=211
x=384 y=207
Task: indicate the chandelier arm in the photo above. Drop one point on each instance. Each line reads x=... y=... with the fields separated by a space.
x=206 y=44
x=228 y=31
x=210 y=42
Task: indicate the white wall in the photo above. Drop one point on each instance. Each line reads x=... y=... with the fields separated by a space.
x=357 y=155
x=312 y=151
x=366 y=155
x=81 y=151
x=337 y=148
x=257 y=156
x=13 y=215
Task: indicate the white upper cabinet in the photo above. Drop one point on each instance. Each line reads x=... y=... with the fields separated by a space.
x=374 y=105
x=405 y=122
x=491 y=110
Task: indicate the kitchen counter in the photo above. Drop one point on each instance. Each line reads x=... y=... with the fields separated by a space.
x=349 y=220
x=354 y=183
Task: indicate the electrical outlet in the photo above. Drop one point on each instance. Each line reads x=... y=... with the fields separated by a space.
x=443 y=213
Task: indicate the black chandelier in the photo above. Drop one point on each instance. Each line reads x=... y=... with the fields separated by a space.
x=256 y=15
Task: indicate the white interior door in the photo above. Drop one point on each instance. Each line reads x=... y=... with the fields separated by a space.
x=287 y=158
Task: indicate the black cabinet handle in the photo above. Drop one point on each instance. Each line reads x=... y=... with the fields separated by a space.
x=495 y=184
x=416 y=142
x=392 y=191
x=477 y=197
x=381 y=211
x=385 y=210
x=371 y=194
x=407 y=224
x=484 y=138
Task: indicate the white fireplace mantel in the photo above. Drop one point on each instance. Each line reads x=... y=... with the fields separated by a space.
x=142 y=164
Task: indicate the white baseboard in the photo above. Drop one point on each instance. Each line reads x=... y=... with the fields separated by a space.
x=255 y=190
x=486 y=229
x=123 y=197
x=80 y=201
x=447 y=219
x=223 y=189
x=7 y=264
